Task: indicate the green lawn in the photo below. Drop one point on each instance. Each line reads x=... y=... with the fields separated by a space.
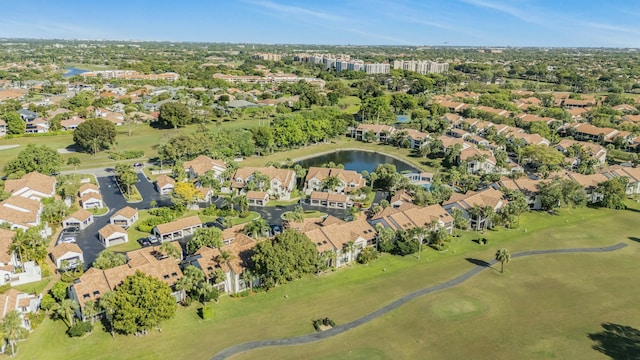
x=33 y=288
x=349 y=104
x=543 y=307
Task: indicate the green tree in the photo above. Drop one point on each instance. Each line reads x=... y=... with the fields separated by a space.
x=91 y=310
x=174 y=114
x=107 y=259
x=73 y=161
x=59 y=291
x=35 y=158
x=191 y=280
x=613 y=193
x=65 y=311
x=140 y=303
x=331 y=183
x=95 y=135
x=15 y=124
x=211 y=237
x=290 y=255
x=419 y=234
x=257 y=228
x=169 y=249
x=503 y=256
x=184 y=194
x=12 y=329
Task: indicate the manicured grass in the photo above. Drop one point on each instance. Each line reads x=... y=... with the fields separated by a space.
x=99 y=211
x=33 y=288
x=349 y=104
x=544 y=306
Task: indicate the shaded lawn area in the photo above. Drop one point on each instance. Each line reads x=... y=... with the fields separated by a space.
x=534 y=293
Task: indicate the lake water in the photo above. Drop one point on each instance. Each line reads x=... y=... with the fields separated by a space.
x=357 y=160
x=71 y=71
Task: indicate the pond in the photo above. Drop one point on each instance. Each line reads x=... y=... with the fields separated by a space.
x=71 y=71
x=357 y=160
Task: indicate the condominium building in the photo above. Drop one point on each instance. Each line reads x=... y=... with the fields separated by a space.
x=422 y=67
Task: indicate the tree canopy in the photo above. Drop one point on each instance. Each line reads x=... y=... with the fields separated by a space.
x=289 y=256
x=174 y=114
x=41 y=158
x=140 y=303
x=95 y=135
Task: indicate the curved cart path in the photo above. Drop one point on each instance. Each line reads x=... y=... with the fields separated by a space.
x=304 y=339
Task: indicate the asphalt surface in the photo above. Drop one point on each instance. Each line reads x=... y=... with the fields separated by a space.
x=87 y=239
x=305 y=339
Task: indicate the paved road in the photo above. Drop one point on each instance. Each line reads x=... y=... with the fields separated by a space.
x=113 y=199
x=304 y=339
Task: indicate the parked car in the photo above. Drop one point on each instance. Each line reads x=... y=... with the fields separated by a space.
x=144 y=242
x=137 y=165
x=153 y=239
x=67 y=240
x=276 y=229
x=71 y=230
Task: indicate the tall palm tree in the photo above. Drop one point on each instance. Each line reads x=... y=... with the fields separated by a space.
x=107 y=303
x=331 y=183
x=419 y=234
x=90 y=310
x=503 y=255
x=243 y=203
x=12 y=328
x=66 y=310
x=209 y=179
x=349 y=248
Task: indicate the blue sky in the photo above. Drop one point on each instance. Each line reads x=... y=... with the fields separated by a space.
x=612 y=23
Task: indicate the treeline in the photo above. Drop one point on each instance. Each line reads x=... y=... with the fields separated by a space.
x=286 y=131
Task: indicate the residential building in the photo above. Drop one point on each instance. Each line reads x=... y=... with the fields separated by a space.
x=348 y=181
x=338 y=242
x=382 y=132
x=95 y=282
x=408 y=216
x=527 y=186
x=124 y=217
x=177 y=229
x=112 y=234
x=165 y=184
x=91 y=200
x=33 y=186
x=240 y=246
x=588 y=132
x=129 y=75
x=421 y=66
x=257 y=198
x=20 y=212
x=80 y=219
x=631 y=173
x=377 y=68
x=472 y=201
x=595 y=151
x=281 y=182
x=202 y=164
x=23 y=303
x=330 y=200
x=67 y=256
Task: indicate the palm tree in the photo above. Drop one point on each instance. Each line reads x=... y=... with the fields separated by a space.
x=66 y=311
x=419 y=234
x=224 y=256
x=503 y=255
x=243 y=204
x=12 y=329
x=331 y=183
x=256 y=228
x=349 y=248
x=209 y=180
x=106 y=303
x=90 y=310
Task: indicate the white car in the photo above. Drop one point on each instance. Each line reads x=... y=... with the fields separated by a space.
x=68 y=239
x=152 y=239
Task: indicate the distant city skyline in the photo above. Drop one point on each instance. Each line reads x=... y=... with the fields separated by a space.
x=539 y=23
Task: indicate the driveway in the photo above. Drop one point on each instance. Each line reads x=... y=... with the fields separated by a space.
x=113 y=199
